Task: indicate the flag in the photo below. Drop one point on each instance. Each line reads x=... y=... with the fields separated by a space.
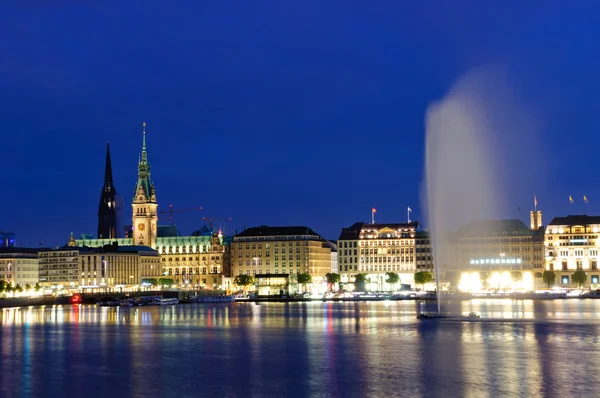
x=409 y=209
x=571 y=200
x=373 y=210
x=585 y=199
x=535 y=202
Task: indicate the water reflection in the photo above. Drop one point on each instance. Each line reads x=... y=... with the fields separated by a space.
x=301 y=349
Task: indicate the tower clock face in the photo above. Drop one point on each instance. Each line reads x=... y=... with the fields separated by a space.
x=141 y=227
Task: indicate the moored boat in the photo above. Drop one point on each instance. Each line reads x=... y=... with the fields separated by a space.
x=216 y=299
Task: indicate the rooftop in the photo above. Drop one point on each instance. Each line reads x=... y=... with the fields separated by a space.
x=353 y=232
x=575 y=220
x=265 y=230
x=21 y=250
x=496 y=228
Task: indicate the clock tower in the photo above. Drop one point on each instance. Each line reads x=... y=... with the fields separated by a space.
x=144 y=204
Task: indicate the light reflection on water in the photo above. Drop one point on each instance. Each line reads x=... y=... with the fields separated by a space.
x=301 y=349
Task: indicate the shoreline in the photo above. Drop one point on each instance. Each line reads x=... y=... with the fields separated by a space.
x=66 y=300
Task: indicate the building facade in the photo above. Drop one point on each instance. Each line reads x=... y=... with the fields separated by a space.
x=107 y=209
x=281 y=251
x=59 y=268
x=573 y=243
x=19 y=266
x=375 y=249
x=144 y=206
x=494 y=255
x=114 y=267
x=334 y=257
x=423 y=253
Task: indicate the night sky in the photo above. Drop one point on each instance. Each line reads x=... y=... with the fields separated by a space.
x=275 y=112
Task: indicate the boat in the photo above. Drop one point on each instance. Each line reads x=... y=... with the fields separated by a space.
x=424 y=315
x=216 y=299
x=125 y=302
x=147 y=300
x=168 y=301
x=108 y=302
x=473 y=315
x=241 y=297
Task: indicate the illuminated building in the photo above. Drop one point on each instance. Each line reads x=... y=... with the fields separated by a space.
x=118 y=267
x=423 y=253
x=334 y=257
x=375 y=249
x=59 y=268
x=281 y=251
x=19 y=266
x=145 y=217
x=98 y=269
x=573 y=243
x=495 y=254
x=193 y=261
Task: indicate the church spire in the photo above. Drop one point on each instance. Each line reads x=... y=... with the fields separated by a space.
x=108 y=178
x=107 y=212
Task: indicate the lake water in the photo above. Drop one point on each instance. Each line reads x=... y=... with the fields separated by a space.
x=377 y=349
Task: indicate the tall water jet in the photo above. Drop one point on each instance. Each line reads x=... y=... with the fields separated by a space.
x=466 y=139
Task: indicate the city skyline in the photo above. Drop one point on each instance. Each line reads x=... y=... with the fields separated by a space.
x=234 y=119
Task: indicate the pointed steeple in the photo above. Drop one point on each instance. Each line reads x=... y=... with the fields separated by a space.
x=144 y=189
x=108 y=177
x=144 y=157
x=107 y=212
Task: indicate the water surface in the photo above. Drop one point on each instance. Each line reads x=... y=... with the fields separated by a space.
x=379 y=349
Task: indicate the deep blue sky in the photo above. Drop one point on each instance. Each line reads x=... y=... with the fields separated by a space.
x=270 y=112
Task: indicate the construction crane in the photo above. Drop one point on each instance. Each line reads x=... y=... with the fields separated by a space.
x=211 y=219
x=172 y=210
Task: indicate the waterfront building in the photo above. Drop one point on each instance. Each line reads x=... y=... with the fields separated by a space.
x=7 y=239
x=375 y=249
x=281 y=251
x=494 y=254
x=192 y=261
x=334 y=257
x=19 y=266
x=423 y=253
x=573 y=243
x=105 y=268
x=59 y=268
x=107 y=209
x=118 y=267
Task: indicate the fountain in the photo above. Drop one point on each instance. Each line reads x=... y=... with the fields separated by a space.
x=466 y=136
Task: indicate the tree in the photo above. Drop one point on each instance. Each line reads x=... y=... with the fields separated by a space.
x=165 y=281
x=304 y=279
x=150 y=281
x=332 y=279
x=18 y=288
x=9 y=288
x=243 y=280
x=3 y=285
x=360 y=282
x=549 y=277
x=37 y=287
x=27 y=286
x=421 y=278
x=392 y=278
x=579 y=277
